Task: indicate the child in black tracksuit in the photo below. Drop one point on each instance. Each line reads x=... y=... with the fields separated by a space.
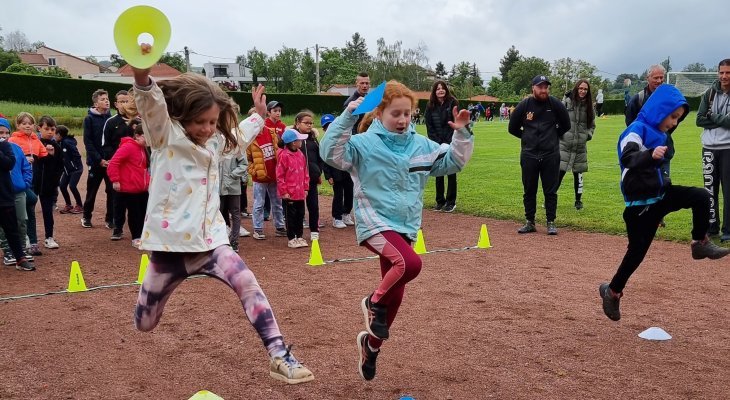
x=73 y=167
x=342 y=185
x=46 y=178
x=649 y=194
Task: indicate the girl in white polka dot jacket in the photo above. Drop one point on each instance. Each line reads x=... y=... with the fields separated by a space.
x=190 y=123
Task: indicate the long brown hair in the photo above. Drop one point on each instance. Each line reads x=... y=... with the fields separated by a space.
x=189 y=95
x=300 y=116
x=574 y=98
x=434 y=101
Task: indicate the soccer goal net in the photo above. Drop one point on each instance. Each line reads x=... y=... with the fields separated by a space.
x=691 y=83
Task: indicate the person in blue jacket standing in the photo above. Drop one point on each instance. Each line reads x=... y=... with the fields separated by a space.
x=390 y=164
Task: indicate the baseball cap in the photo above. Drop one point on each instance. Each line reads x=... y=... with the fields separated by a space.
x=540 y=79
x=326 y=119
x=291 y=135
x=274 y=104
x=4 y=122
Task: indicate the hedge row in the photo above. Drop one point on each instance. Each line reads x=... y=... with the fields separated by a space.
x=35 y=89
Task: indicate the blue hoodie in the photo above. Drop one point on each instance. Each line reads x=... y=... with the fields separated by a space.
x=643 y=181
x=22 y=172
x=390 y=170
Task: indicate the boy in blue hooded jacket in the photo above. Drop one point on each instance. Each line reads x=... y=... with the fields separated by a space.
x=649 y=194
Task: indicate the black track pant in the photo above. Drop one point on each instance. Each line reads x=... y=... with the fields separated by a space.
x=547 y=169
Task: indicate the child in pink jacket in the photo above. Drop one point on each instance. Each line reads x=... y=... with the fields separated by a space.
x=128 y=171
x=292 y=182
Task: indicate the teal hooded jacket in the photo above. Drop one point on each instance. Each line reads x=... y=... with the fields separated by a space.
x=390 y=170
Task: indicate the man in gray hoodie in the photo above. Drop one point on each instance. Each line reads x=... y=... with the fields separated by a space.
x=714 y=116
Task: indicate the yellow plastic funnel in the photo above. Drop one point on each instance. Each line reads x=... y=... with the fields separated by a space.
x=133 y=23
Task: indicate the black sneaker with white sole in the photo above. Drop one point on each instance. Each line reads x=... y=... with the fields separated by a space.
x=376 y=318
x=86 y=223
x=366 y=365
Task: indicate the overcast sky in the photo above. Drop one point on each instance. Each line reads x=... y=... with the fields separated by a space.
x=616 y=36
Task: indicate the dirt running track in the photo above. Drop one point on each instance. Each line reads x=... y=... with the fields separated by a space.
x=519 y=321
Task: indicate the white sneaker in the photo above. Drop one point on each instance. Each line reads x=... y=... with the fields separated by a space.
x=136 y=243
x=259 y=235
x=50 y=243
x=302 y=242
x=337 y=223
x=347 y=219
x=294 y=243
x=314 y=236
x=243 y=232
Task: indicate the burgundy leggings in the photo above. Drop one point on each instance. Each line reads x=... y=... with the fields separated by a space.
x=399 y=264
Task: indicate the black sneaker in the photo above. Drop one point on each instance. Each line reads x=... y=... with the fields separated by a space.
x=578 y=205
x=280 y=232
x=109 y=224
x=449 y=208
x=116 y=235
x=439 y=206
x=234 y=246
x=86 y=223
x=24 y=265
x=707 y=249
x=367 y=357
x=376 y=318
x=8 y=259
x=610 y=302
x=551 y=228
x=529 y=227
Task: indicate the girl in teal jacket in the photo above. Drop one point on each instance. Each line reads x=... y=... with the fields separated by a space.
x=390 y=164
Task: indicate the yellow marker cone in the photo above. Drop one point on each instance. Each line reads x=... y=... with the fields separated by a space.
x=315 y=257
x=205 y=395
x=76 y=279
x=420 y=246
x=143 y=262
x=483 y=238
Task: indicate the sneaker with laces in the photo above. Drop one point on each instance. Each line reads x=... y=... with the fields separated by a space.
x=77 y=210
x=242 y=232
x=117 y=235
x=281 y=232
x=337 y=223
x=528 y=227
x=287 y=369
x=551 y=228
x=707 y=249
x=35 y=250
x=27 y=255
x=259 y=235
x=611 y=301
x=136 y=243
x=314 y=236
x=347 y=219
x=302 y=242
x=9 y=259
x=86 y=223
x=66 y=209
x=293 y=243
x=439 y=206
x=24 y=265
x=376 y=318
x=366 y=367
x=449 y=208
x=50 y=243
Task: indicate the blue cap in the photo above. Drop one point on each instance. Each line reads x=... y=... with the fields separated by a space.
x=326 y=119
x=540 y=79
x=4 y=122
x=291 y=135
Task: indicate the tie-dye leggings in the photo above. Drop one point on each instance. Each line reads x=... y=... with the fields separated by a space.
x=399 y=264
x=167 y=270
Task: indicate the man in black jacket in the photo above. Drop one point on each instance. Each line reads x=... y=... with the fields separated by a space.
x=539 y=121
x=93 y=134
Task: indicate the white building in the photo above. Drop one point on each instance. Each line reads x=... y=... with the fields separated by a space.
x=231 y=72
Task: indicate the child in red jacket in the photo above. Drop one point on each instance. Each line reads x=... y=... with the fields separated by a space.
x=129 y=174
x=292 y=183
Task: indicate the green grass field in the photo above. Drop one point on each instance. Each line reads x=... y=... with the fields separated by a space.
x=491 y=185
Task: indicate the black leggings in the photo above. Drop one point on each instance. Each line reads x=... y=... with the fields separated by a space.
x=577 y=183
x=643 y=221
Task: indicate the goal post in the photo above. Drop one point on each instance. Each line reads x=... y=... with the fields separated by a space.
x=691 y=84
